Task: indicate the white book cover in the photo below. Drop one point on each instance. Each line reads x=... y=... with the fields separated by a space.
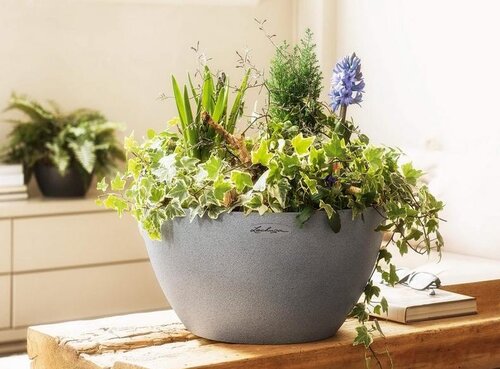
x=13 y=189
x=11 y=169
x=13 y=196
x=11 y=180
x=407 y=304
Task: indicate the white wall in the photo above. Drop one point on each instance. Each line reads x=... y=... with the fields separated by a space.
x=320 y=17
x=430 y=68
x=432 y=87
x=118 y=55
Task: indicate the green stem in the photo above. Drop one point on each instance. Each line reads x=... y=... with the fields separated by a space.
x=346 y=130
x=343 y=112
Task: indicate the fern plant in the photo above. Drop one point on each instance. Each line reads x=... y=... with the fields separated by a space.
x=83 y=138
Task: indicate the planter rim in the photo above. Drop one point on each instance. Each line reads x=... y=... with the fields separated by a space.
x=254 y=213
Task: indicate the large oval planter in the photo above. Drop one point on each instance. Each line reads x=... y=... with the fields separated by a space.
x=75 y=183
x=263 y=279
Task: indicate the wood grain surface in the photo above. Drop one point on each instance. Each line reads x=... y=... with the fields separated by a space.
x=158 y=340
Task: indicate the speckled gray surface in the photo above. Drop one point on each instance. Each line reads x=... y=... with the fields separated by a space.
x=262 y=279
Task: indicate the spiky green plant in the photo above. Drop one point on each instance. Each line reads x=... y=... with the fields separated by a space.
x=212 y=98
x=84 y=138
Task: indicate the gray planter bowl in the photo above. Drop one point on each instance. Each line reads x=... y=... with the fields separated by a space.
x=263 y=279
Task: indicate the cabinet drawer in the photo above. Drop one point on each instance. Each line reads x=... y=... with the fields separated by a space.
x=4 y=301
x=75 y=240
x=81 y=293
x=5 y=242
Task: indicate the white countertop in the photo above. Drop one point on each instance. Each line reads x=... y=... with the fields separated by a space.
x=39 y=206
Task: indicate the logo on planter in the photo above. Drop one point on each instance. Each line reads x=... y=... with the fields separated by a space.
x=269 y=229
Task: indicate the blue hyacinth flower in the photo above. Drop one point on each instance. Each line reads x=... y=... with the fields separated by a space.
x=347 y=82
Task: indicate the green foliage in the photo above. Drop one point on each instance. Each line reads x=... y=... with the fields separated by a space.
x=83 y=138
x=295 y=85
x=210 y=97
x=302 y=160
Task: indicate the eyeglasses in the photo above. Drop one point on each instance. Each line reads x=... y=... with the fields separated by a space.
x=418 y=280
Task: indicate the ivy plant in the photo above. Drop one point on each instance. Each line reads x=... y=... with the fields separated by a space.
x=306 y=157
x=83 y=138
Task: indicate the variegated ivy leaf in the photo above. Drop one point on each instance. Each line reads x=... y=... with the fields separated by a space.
x=411 y=174
x=281 y=145
x=200 y=176
x=310 y=183
x=302 y=144
x=117 y=184
x=220 y=188
x=327 y=208
x=189 y=163
x=116 y=203
x=289 y=165
x=317 y=158
x=335 y=148
x=198 y=211
x=262 y=154
x=241 y=180
x=156 y=144
x=253 y=200
x=157 y=194
x=179 y=191
x=174 y=209
x=212 y=166
x=208 y=198
x=130 y=144
x=279 y=191
x=374 y=156
x=102 y=185
x=134 y=167
x=167 y=170
x=260 y=185
x=214 y=211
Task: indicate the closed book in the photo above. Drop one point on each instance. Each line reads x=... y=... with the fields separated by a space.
x=13 y=196
x=407 y=305
x=10 y=180
x=11 y=169
x=13 y=189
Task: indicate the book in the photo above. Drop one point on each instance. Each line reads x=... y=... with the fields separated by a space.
x=407 y=305
x=11 y=180
x=13 y=189
x=11 y=169
x=13 y=196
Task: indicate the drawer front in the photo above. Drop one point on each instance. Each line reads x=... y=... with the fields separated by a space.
x=4 y=301
x=5 y=242
x=80 y=293
x=75 y=240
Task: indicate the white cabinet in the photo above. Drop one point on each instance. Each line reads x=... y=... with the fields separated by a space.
x=5 y=244
x=69 y=259
x=74 y=240
x=84 y=292
x=4 y=301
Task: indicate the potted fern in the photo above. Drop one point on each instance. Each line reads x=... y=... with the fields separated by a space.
x=63 y=150
x=273 y=238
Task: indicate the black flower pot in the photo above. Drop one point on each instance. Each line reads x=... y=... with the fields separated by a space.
x=74 y=183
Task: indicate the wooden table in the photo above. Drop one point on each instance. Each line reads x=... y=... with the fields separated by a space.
x=159 y=341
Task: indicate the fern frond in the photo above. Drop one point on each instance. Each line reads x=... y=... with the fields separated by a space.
x=30 y=107
x=85 y=154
